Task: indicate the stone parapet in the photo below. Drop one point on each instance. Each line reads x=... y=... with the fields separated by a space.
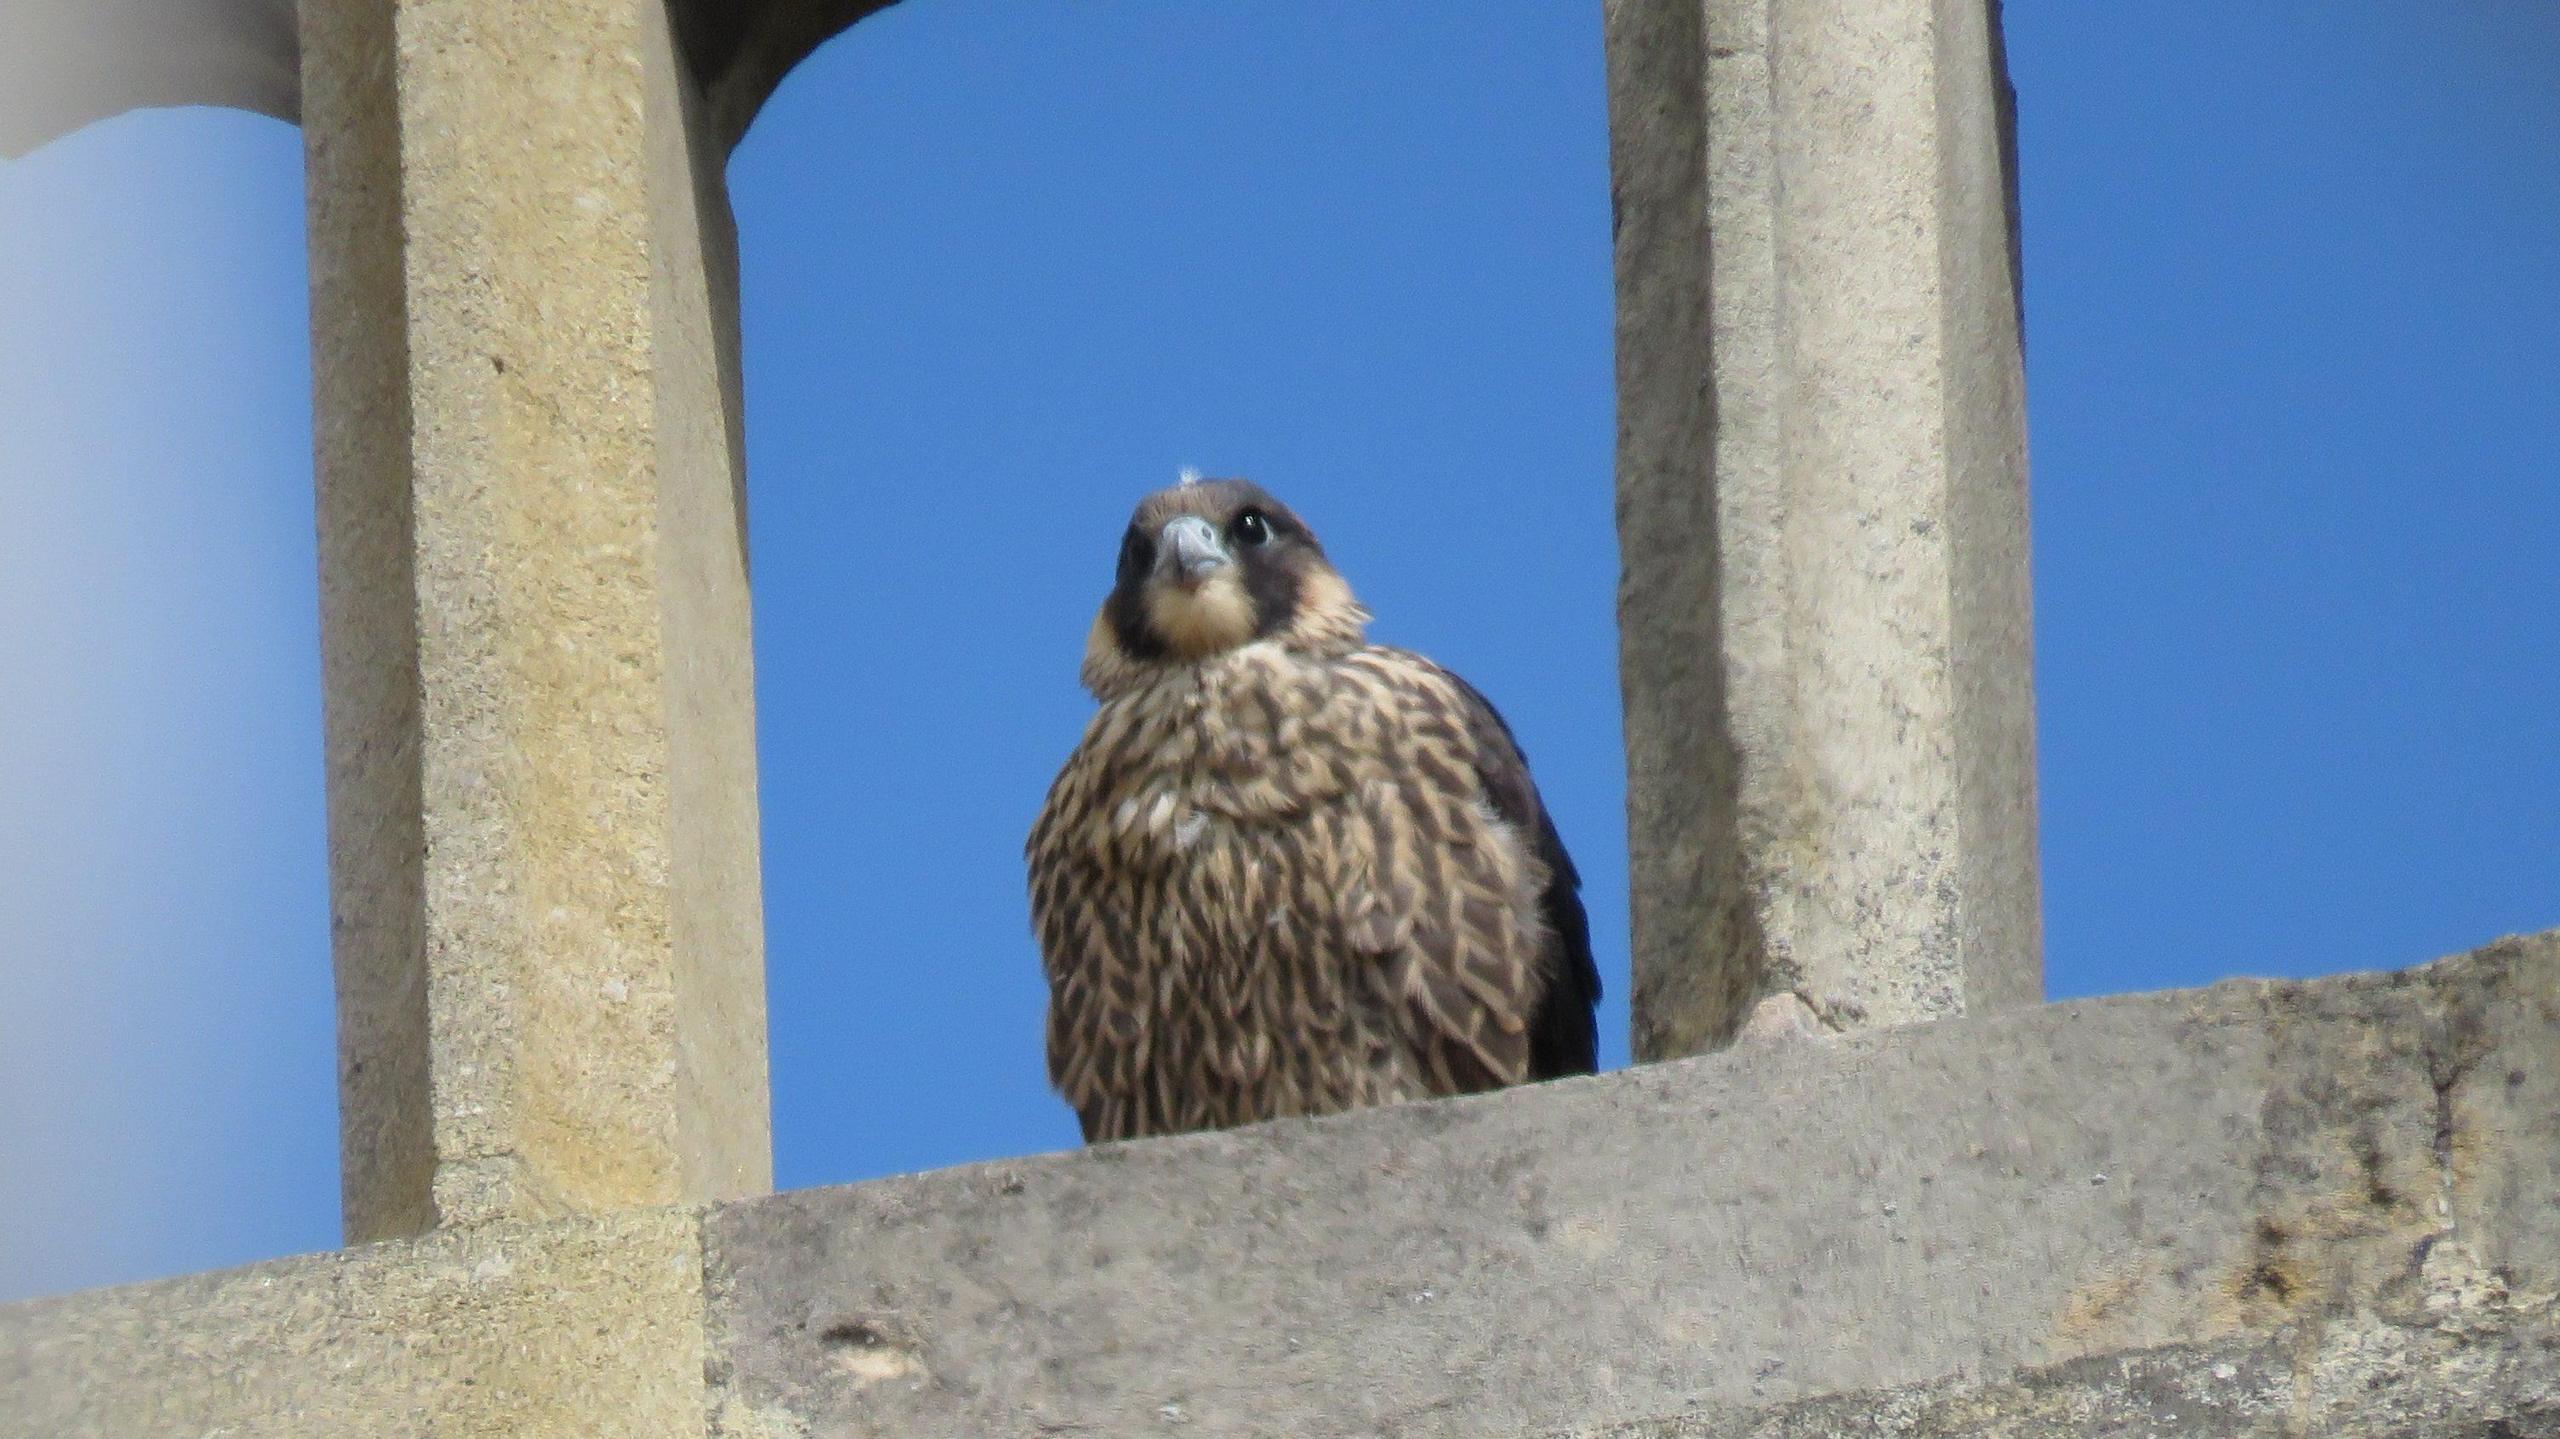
x=2066 y=1213
x=573 y=1327
x=2461 y=1367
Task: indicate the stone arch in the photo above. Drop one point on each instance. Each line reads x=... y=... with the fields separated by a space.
x=84 y=60
x=525 y=280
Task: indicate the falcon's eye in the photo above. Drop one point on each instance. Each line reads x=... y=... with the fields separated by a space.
x=1137 y=553
x=1252 y=529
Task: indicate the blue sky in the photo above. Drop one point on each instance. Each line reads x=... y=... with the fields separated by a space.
x=2293 y=277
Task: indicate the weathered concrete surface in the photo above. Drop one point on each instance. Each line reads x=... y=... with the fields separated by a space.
x=1822 y=514
x=535 y=618
x=578 y=1327
x=1777 y=1223
x=1699 y=953
x=2332 y=1205
x=2464 y=1365
x=66 y=63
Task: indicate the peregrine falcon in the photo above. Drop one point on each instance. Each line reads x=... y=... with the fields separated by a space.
x=1288 y=871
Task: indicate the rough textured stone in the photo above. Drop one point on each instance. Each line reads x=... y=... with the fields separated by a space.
x=534 y=613
x=2475 y=1365
x=578 y=1327
x=1822 y=501
x=1761 y=1227
x=2326 y=1208
x=1698 y=950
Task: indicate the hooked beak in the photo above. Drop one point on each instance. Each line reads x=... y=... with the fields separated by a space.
x=1188 y=551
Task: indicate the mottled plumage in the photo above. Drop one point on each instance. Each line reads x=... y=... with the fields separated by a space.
x=1287 y=871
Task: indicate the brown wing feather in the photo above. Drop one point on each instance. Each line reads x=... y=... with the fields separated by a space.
x=1091 y=1008
x=1563 y=1035
x=1488 y=967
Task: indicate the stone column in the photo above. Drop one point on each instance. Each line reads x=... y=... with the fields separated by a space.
x=1823 y=515
x=534 y=611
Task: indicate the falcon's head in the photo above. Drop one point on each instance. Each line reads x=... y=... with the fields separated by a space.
x=1208 y=566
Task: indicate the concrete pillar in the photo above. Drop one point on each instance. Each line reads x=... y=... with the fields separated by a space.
x=1823 y=515
x=534 y=611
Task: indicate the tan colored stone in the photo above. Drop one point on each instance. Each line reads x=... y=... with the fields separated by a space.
x=1822 y=498
x=2469 y=1370
x=572 y=1328
x=2359 y=1157
x=534 y=606
x=1781 y=1017
x=2342 y=1189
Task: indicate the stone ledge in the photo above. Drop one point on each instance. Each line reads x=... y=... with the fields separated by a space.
x=2480 y=1367
x=1977 y=1196
x=2336 y=1183
x=573 y=1327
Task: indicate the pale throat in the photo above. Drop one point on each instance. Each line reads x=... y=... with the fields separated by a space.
x=1201 y=621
